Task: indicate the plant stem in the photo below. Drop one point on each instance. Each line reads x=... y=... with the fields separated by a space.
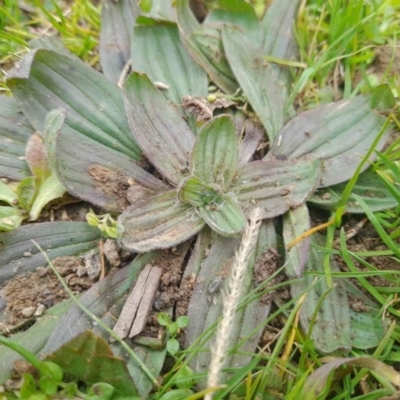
x=231 y=299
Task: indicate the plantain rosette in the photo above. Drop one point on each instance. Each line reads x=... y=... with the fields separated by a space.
x=101 y=141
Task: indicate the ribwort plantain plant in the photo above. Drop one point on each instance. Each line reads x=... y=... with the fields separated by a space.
x=174 y=175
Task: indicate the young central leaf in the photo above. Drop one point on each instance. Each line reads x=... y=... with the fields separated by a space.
x=215 y=152
x=197 y=193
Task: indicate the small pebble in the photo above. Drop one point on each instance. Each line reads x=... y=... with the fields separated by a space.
x=81 y=271
x=40 y=310
x=28 y=311
x=27 y=254
x=47 y=292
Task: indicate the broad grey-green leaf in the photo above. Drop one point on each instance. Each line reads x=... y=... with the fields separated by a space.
x=366 y=324
x=158 y=222
x=296 y=222
x=158 y=127
x=53 y=43
x=256 y=79
x=187 y=22
x=224 y=216
x=32 y=339
x=117 y=24
x=15 y=131
x=331 y=331
x=277 y=186
x=10 y=218
x=91 y=171
x=369 y=186
x=278 y=36
x=216 y=152
x=339 y=133
x=205 y=307
x=45 y=80
x=235 y=12
x=18 y=254
x=205 y=47
x=158 y=52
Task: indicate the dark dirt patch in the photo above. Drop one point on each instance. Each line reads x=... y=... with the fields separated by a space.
x=112 y=183
x=171 y=262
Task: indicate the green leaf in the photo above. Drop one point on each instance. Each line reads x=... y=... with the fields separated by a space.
x=215 y=152
x=205 y=46
x=256 y=79
x=158 y=127
x=36 y=157
x=15 y=131
x=88 y=358
x=46 y=80
x=57 y=238
x=193 y=191
x=339 y=133
x=158 y=52
x=331 y=330
x=367 y=328
x=177 y=394
x=172 y=346
x=52 y=43
x=28 y=387
x=182 y=321
x=101 y=390
x=90 y=170
x=205 y=308
x=183 y=378
x=10 y=218
x=224 y=216
x=186 y=20
x=48 y=385
x=235 y=12
x=277 y=186
x=369 y=187
x=117 y=24
x=26 y=192
x=278 y=36
x=51 y=189
x=163 y=319
x=158 y=222
x=295 y=223
x=7 y=195
x=319 y=378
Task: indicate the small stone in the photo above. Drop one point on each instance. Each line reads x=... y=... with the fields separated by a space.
x=28 y=311
x=111 y=253
x=81 y=271
x=40 y=310
x=92 y=264
x=42 y=271
x=27 y=254
x=47 y=292
x=48 y=302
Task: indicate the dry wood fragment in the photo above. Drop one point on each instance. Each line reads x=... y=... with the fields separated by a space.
x=136 y=308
